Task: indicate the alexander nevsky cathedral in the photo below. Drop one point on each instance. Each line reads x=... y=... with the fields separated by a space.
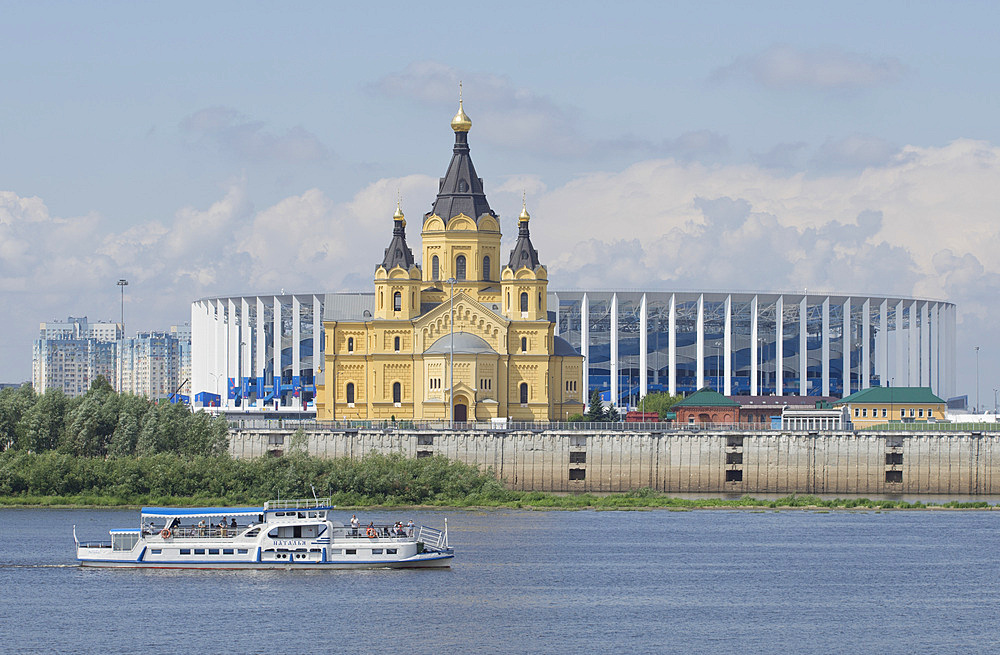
x=463 y=337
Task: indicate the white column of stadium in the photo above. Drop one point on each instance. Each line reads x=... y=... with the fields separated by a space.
x=913 y=341
x=882 y=349
x=643 y=346
x=754 y=347
x=700 y=343
x=232 y=349
x=727 y=345
x=276 y=347
x=246 y=366
x=925 y=345
x=220 y=350
x=585 y=346
x=296 y=340
x=803 y=352
x=900 y=371
x=779 y=346
x=846 y=348
x=614 y=349
x=866 y=353
x=826 y=346
x=672 y=345
x=261 y=363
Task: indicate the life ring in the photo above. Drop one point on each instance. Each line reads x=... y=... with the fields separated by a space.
x=371 y=533
x=165 y=533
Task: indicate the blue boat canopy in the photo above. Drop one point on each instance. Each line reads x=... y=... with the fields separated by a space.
x=170 y=512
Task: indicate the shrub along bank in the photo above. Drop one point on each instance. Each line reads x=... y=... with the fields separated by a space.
x=55 y=478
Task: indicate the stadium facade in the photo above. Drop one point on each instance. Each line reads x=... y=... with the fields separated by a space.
x=633 y=342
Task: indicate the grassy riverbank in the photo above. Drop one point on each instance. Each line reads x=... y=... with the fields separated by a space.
x=54 y=479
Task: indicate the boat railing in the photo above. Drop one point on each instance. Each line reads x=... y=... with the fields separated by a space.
x=432 y=537
x=382 y=531
x=94 y=544
x=195 y=532
x=298 y=503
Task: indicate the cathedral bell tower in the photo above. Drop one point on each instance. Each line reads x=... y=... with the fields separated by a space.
x=524 y=281
x=461 y=234
x=397 y=278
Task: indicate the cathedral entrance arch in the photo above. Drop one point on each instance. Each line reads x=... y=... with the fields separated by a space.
x=461 y=411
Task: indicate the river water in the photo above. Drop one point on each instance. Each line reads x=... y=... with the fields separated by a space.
x=704 y=581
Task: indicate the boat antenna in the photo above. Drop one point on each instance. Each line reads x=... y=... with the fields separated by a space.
x=314 y=493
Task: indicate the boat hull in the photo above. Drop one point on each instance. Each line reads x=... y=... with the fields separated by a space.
x=435 y=560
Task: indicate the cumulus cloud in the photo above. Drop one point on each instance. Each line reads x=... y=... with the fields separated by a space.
x=246 y=139
x=830 y=68
x=856 y=151
x=920 y=223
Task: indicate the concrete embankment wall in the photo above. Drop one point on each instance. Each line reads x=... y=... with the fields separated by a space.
x=682 y=462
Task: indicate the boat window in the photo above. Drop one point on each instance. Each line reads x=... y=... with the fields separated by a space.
x=227 y=551
x=252 y=533
x=390 y=551
x=156 y=551
x=124 y=540
x=213 y=551
x=352 y=551
x=376 y=551
x=199 y=551
x=242 y=551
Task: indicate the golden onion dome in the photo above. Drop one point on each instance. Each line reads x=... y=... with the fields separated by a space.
x=461 y=122
x=525 y=216
x=398 y=216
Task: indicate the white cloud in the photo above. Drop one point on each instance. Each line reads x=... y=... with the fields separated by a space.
x=922 y=223
x=788 y=67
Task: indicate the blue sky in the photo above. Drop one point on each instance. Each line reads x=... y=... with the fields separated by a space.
x=200 y=149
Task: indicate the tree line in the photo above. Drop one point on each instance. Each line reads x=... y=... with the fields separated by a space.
x=661 y=403
x=103 y=423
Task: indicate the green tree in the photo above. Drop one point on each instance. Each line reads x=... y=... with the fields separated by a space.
x=42 y=425
x=13 y=404
x=596 y=413
x=298 y=443
x=91 y=424
x=613 y=415
x=661 y=403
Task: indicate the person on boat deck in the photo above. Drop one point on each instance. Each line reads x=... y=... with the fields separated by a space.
x=409 y=528
x=355 y=524
x=233 y=524
x=222 y=527
x=201 y=528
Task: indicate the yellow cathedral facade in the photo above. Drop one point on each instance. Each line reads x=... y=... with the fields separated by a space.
x=461 y=338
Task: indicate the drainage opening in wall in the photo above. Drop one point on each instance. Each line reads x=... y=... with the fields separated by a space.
x=894 y=476
x=578 y=474
x=578 y=458
x=424 y=453
x=734 y=458
x=734 y=476
x=734 y=442
x=893 y=459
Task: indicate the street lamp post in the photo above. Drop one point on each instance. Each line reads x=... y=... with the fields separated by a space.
x=977 y=379
x=451 y=375
x=122 y=283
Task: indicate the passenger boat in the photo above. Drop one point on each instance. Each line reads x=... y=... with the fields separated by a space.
x=283 y=534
